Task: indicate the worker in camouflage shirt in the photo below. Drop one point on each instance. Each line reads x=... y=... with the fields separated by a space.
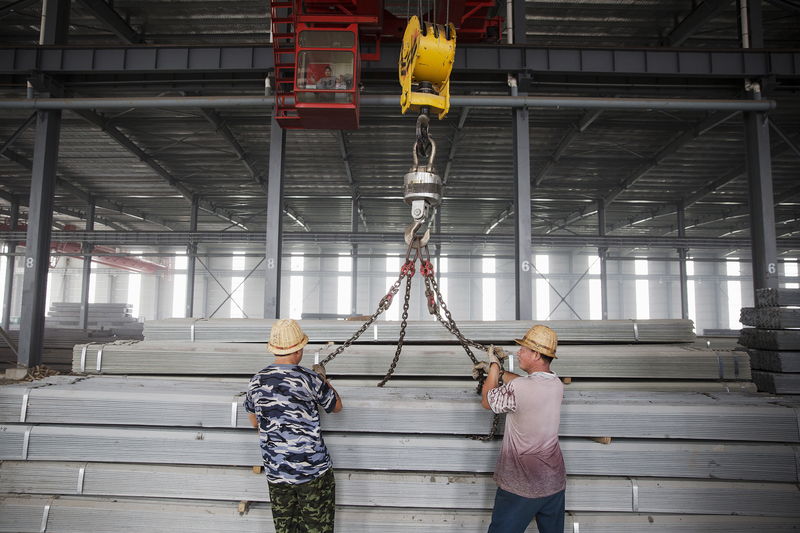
x=283 y=402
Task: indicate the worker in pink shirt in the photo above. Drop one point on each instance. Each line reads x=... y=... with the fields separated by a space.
x=530 y=474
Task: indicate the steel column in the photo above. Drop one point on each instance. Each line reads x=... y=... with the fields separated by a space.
x=54 y=28
x=354 y=255
x=523 y=272
x=37 y=245
x=272 y=264
x=682 y=254
x=603 y=253
x=191 y=252
x=86 y=278
x=762 y=210
x=11 y=248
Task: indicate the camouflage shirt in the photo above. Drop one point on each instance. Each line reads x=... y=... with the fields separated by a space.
x=285 y=399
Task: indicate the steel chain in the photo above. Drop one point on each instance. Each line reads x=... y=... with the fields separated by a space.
x=402 y=336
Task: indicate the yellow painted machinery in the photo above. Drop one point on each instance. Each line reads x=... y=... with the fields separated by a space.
x=426 y=60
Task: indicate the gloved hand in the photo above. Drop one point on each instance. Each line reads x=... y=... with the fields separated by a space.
x=480 y=368
x=497 y=355
x=319 y=369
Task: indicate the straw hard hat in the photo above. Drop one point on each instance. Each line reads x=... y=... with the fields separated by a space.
x=540 y=339
x=286 y=337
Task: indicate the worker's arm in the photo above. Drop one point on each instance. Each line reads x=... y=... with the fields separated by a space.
x=253 y=420
x=492 y=380
x=338 y=406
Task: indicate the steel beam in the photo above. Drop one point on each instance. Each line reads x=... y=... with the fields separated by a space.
x=191 y=253
x=762 y=210
x=389 y=100
x=11 y=248
x=523 y=271
x=180 y=238
x=112 y=131
x=477 y=58
x=67 y=185
x=223 y=129
x=674 y=146
x=693 y=21
x=575 y=130
x=111 y=19
x=86 y=277
x=274 y=233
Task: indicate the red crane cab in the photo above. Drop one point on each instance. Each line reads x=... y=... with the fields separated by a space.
x=326 y=78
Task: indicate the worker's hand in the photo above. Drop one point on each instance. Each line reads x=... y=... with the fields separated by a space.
x=497 y=355
x=319 y=369
x=479 y=368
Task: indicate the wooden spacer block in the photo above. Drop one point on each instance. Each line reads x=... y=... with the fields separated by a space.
x=566 y=381
x=243 y=506
x=602 y=440
x=258 y=469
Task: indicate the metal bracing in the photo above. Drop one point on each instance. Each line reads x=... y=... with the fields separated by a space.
x=274 y=234
x=575 y=130
x=689 y=200
x=705 y=11
x=86 y=272
x=19 y=131
x=67 y=185
x=785 y=138
x=112 y=131
x=113 y=21
x=457 y=134
x=11 y=248
x=632 y=61
x=523 y=271
x=15 y=7
x=340 y=138
x=500 y=218
x=762 y=210
x=225 y=131
x=674 y=146
x=191 y=252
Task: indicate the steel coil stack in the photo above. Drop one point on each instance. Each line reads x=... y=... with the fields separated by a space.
x=154 y=434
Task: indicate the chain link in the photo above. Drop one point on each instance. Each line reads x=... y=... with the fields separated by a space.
x=403 y=324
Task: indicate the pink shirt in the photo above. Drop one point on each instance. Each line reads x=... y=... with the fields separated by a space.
x=530 y=462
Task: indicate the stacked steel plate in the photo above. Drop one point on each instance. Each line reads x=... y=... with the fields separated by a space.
x=774 y=342
x=176 y=452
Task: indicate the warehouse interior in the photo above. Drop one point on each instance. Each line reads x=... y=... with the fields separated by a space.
x=625 y=171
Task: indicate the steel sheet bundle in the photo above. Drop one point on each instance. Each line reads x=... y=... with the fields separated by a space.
x=431 y=453
x=395 y=489
x=770 y=317
x=617 y=361
x=70 y=514
x=429 y=331
x=151 y=402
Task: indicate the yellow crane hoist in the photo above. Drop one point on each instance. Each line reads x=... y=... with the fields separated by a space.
x=426 y=60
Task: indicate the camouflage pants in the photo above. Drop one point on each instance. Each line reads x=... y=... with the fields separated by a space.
x=305 y=508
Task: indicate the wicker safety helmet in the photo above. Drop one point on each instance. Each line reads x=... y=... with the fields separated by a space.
x=286 y=337
x=540 y=339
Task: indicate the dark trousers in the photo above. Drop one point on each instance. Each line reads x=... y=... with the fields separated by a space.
x=513 y=513
x=304 y=508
